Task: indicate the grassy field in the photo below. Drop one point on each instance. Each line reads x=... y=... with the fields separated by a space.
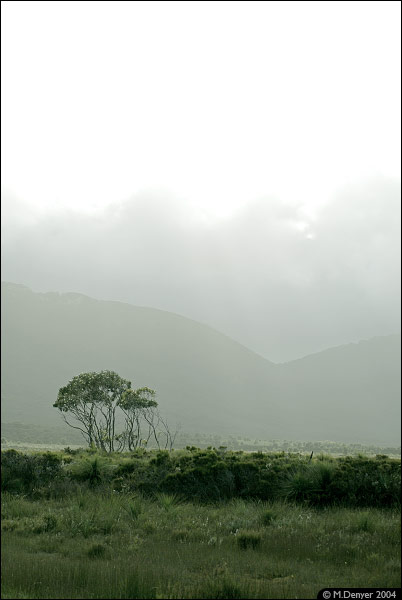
x=36 y=437
x=197 y=524
x=100 y=544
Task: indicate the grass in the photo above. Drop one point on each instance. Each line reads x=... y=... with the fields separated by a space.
x=95 y=543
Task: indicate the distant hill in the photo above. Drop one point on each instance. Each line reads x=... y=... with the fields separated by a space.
x=355 y=388
x=204 y=380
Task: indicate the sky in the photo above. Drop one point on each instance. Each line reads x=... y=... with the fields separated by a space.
x=235 y=162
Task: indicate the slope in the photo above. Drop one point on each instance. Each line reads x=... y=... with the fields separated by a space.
x=204 y=380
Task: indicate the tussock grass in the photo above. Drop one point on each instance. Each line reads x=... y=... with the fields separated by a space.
x=248 y=539
x=93 y=545
x=197 y=524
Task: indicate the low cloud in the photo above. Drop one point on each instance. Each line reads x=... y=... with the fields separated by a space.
x=271 y=276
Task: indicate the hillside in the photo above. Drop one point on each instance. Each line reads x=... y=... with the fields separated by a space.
x=204 y=380
x=354 y=388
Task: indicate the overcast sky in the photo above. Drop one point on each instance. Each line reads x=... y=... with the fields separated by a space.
x=236 y=162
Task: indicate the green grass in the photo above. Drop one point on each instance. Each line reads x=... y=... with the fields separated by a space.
x=197 y=524
x=28 y=437
x=94 y=543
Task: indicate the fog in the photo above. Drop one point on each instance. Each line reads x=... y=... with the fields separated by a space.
x=237 y=163
x=274 y=278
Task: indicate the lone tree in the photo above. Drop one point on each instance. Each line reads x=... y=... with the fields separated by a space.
x=91 y=400
x=144 y=421
x=90 y=403
x=136 y=404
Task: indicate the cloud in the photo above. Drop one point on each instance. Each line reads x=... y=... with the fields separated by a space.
x=274 y=277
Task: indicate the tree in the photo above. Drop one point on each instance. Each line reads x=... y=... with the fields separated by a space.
x=136 y=404
x=90 y=403
x=91 y=400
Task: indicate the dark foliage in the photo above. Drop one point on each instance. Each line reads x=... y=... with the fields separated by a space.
x=23 y=473
x=213 y=475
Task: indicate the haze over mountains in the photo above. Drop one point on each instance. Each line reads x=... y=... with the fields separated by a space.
x=204 y=380
x=283 y=279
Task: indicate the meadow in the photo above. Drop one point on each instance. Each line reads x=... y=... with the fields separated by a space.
x=197 y=524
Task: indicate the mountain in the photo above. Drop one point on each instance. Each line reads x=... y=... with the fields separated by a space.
x=351 y=391
x=204 y=380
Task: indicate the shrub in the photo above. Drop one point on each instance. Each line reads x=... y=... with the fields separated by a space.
x=25 y=472
x=205 y=478
x=248 y=539
x=162 y=458
x=133 y=509
x=220 y=590
x=364 y=523
x=50 y=522
x=72 y=451
x=361 y=481
x=93 y=470
x=299 y=485
x=168 y=501
x=267 y=517
x=310 y=483
x=208 y=476
x=180 y=535
x=47 y=523
x=97 y=550
x=8 y=524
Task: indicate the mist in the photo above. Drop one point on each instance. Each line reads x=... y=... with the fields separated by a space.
x=200 y=298
x=281 y=280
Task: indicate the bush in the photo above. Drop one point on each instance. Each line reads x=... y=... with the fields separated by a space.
x=364 y=523
x=22 y=473
x=93 y=470
x=133 y=509
x=267 y=517
x=361 y=481
x=220 y=590
x=248 y=539
x=299 y=485
x=48 y=523
x=311 y=483
x=168 y=501
x=97 y=550
x=209 y=476
x=206 y=483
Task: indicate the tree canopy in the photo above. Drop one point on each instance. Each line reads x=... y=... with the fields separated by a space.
x=97 y=403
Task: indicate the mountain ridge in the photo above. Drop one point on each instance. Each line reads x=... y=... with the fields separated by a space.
x=203 y=378
x=66 y=295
